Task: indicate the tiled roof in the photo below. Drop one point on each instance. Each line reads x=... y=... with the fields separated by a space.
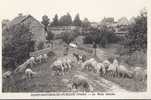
x=17 y=20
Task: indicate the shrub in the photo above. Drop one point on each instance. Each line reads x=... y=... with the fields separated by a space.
x=136 y=39
x=101 y=38
x=67 y=37
x=51 y=54
x=40 y=45
x=136 y=58
x=17 y=47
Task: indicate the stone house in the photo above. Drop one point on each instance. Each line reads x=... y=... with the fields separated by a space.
x=35 y=28
x=58 y=30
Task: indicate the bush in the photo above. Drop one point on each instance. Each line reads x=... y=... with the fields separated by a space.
x=137 y=58
x=101 y=38
x=17 y=47
x=67 y=37
x=40 y=45
x=136 y=39
x=51 y=54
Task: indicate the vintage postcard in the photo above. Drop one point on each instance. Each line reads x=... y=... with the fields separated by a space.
x=75 y=49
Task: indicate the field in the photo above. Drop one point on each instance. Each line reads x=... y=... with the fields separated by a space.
x=46 y=81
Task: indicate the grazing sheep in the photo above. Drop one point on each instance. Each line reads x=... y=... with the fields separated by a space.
x=91 y=62
x=101 y=68
x=22 y=67
x=76 y=56
x=45 y=57
x=124 y=72
x=39 y=58
x=31 y=61
x=67 y=63
x=106 y=63
x=29 y=73
x=97 y=68
x=80 y=59
x=83 y=58
x=95 y=65
x=112 y=69
x=81 y=82
x=7 y=74
x=57 y=67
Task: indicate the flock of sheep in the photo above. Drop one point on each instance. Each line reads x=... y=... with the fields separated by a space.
x=114 y=69
x=27 y=67
x=104 y=68
x=65 y=64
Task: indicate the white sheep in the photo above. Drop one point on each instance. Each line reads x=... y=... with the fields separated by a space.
x=101 y=68
x=31 y=61
x=112 y=69
x=39 y=58
x=7 y=74
x=22 y=67
x=124 y=72
x=81 y=82
x=65 y=64
x=106 y=63
x=89 y=61
x=68 y=62
x=57 y=66
x=80 y=59
x=45 y=57
x=29 y=73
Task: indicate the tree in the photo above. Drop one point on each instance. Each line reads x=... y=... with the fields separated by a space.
x=101 y=37
x=65 y=20
x=18 y=47
x=136 y=39
x=68 y=37
x=45 y=21
x=77 y=21
x=85 y=23
x=68 y=19
x=50 y=37
x=55 y=21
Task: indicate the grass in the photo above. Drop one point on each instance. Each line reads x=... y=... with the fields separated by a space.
x=46 y=82
x=130 y=84
x=138 y=58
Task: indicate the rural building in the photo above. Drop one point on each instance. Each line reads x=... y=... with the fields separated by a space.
x=57 y=30
x=107 y=21
x=94 y=24
x=35 y=27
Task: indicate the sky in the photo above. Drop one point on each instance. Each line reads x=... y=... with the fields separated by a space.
x=94 y=10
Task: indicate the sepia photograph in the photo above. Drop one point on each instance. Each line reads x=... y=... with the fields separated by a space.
x=74 y=46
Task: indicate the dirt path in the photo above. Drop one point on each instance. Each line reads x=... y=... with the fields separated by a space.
x=101 y=84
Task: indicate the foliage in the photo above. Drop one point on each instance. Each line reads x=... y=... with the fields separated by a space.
x=85 y=23
x=101 y=37
x=65 y=20
x=17 y=49
x=55 y=21
x=137 y=37
x=50 y=36
x=45 y=21
x=67 y=37
x=77 y=21
x=40 y=45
